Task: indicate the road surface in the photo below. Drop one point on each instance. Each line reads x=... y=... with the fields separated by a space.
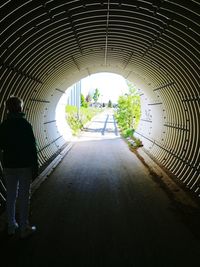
x=101 y=208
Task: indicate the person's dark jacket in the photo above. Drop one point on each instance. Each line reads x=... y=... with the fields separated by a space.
x=17 y=143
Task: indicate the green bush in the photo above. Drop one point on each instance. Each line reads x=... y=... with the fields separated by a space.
x=84 y=103
x=129 y=110
x=128 y=132
x=128 y=113
x=77 y=121
x=138 y=142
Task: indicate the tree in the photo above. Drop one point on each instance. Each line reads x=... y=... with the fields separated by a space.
x=110 y=104
x=83 y=101
x=96 y=95
x=129 y=110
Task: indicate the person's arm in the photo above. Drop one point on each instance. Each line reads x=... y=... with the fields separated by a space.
x=35 y=165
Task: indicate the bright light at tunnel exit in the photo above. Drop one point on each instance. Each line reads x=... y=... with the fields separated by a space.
x=110 y=85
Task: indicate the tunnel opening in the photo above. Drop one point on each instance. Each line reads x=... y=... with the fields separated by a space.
x=110 y=89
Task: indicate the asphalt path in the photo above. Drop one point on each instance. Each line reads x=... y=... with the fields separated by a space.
x=101 y=207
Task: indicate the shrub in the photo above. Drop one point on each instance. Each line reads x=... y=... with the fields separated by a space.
x=128 y=132
x=77 y=121
x=128 y=113
x=84 y=103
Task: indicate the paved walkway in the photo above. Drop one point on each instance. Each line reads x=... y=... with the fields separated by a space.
x=101 y=208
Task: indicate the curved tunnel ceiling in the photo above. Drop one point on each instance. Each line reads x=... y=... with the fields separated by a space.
x=46 y=46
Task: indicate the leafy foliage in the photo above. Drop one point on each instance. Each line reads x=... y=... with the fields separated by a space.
x=96 y=95
x=73 y=119
x=76 y=122
x=129 y=110
x=84 y=103
x=128 y=132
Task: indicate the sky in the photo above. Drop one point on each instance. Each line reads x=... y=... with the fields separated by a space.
x=110 y=85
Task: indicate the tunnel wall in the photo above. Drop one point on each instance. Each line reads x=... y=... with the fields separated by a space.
x=46 y=46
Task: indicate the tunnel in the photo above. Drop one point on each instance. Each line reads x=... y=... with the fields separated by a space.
x=48 y=45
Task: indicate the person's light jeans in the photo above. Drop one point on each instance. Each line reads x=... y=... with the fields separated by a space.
x=18 y=181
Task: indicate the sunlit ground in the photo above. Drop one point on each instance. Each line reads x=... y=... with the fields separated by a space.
x=102 y=127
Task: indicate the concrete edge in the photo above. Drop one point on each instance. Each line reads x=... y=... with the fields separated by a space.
x=178 y=193
x=43 y=175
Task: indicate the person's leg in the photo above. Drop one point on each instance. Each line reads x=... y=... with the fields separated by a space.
x=11 y=179
x=24 y=203
x=24 y=196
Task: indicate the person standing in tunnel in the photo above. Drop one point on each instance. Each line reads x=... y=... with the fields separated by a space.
x=20 y=165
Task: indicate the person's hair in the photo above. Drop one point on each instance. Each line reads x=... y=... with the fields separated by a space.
x=14 y=104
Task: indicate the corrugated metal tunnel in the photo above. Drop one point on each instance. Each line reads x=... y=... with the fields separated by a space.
x=46 y=46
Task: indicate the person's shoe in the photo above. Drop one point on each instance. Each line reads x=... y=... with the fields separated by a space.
x=12 y=229
x=28 y=231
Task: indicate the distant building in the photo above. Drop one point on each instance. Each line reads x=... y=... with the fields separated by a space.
x=74 y=95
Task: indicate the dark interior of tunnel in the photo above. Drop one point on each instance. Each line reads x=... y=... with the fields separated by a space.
x=46 y=46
